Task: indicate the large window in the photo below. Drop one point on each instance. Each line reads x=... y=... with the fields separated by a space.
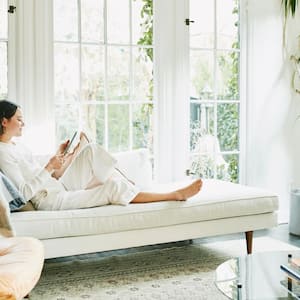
x=103 y=71
x=3 y=49
x=103 y=80
x=214 y=89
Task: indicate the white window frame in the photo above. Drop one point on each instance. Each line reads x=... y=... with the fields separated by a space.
x=10 y=51
x=173 y=103
x=106 y=101
x=215 y=102
x=171 y=92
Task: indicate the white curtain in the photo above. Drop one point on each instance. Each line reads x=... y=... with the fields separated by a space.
x=171 y=94
x=33 y=74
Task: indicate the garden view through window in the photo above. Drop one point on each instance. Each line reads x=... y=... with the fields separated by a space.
x=214 y=89
x=103 y=64
x=104 y=68
x=103 y=77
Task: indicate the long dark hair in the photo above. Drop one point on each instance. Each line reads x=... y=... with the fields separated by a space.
x=7 y=110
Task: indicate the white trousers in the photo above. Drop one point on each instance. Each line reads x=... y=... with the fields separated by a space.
x=84 y=167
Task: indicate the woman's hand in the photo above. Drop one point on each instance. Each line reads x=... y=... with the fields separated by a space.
x=55 y=163
x=62 y=147
x=59 y=164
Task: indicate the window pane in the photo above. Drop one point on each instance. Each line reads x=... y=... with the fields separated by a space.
x=202 y=30
x=118 y=73
x=118 y=127
x=3 y=70
x=101 y=74
x=66 y=120
x=142 y=74
x=92 y=66
x=66 y=65
x=201 y=124
x=118 y=21
x=142 y=126
x=3 y=19
x=228 y=75
x=93 y=122
x=202 y=165
x=201 y=74
x=228 y=126
x=65 y=20
x=227 y=24
x=230 y=169
x=92 y=16
x=142 y=22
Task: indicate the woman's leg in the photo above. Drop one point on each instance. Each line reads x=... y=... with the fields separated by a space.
x=179 y=195
x=91 y=167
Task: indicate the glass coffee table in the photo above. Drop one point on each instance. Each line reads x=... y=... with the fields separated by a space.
x=257 y=276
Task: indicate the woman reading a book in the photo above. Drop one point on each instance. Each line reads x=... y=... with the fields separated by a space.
x=84 y=178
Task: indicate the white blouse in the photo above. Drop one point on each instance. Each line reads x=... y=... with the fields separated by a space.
x=30 y=178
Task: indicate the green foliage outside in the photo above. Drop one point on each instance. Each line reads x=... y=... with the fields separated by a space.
x=227 y=113
x=142 y=133
x=118 y=122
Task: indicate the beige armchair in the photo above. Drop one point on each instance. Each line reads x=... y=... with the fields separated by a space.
x=21 y=263
x=21 y=259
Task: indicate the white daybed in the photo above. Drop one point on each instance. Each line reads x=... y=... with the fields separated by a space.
x=220 y=208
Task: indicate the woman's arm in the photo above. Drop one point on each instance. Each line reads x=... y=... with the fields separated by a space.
x=34 y=180
x=28 y=187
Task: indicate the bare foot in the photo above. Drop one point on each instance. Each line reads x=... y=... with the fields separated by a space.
x=189 y=191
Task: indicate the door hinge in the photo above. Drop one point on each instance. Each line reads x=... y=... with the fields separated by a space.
x=11 y=9
x=188 y=22
x=188 y=172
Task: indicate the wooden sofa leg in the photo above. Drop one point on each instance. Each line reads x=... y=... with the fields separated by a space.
x=249 y=239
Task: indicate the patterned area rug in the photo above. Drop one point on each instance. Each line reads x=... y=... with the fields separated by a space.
x=181 y=272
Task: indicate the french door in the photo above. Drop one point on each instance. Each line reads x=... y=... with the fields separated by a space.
x=214 y=52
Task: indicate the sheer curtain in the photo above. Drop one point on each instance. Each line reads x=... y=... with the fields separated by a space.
x=171 y=82
x=32 y=77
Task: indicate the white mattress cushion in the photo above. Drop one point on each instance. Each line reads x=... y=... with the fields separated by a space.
x=217 y=200
x=134 y=163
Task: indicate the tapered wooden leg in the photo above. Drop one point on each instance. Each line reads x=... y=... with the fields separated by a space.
x=249 y=239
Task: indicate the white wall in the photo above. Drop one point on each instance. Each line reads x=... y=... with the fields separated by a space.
x=271 y=104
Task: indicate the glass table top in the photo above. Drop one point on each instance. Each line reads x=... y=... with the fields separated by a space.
x=257 y=276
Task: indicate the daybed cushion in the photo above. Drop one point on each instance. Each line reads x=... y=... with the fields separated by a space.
x=217 y=200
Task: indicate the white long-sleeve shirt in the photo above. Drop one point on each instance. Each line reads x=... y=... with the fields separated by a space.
x=30 y=178
x=69 y=192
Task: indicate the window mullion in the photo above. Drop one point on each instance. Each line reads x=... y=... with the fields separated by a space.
x=80 y=100
x=130 y=78
x=11 y=54
x=243 y=84
x=105 y=78
x=215 y=84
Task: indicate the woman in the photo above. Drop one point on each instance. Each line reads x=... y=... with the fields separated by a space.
x=68 y=181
